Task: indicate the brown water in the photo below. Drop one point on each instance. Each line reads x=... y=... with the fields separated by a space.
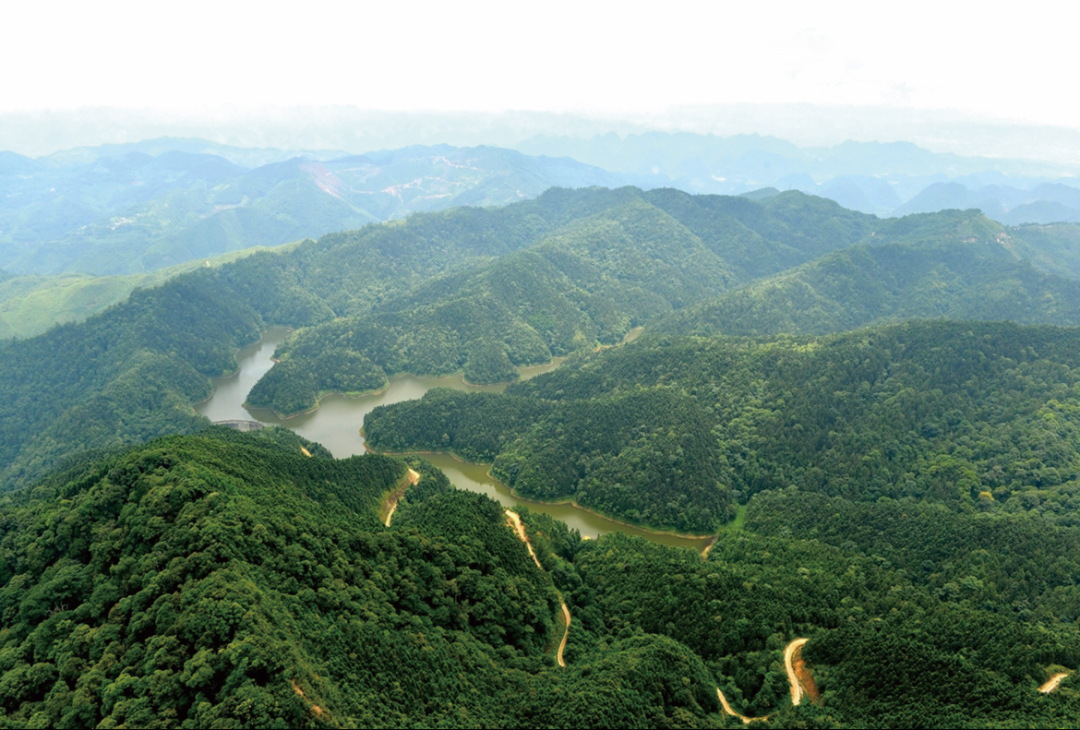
x=336 y=425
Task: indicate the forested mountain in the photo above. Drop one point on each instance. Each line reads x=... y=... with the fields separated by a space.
x=228 y=579
x=123 y=211
x=592 y=280
x=598 y=261
x=906 y=497
x=970 y=271
x=132 y=372
x=31 y=305
x=585 y=283
x=135 y=208
x=965 y=414
x=886 y=179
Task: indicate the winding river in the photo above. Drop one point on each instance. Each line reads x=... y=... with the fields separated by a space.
x=336 y=425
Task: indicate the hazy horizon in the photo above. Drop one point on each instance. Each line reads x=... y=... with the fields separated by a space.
x=946 y=78
x=356 y=130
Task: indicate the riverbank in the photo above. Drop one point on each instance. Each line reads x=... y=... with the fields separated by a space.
x=322 y=395
x=697 y=537
x=335 y=425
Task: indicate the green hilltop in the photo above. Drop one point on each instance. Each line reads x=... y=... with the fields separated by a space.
x=475 y=290
x=228 y=579
x=902 y=494
x=669 y=432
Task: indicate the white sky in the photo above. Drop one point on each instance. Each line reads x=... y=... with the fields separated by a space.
x=1014 y=61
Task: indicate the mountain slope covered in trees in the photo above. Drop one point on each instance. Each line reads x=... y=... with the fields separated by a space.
x=908 y=495
x=965 y=414
x=873 y=284
x=584 y=284
x=588 y=265
x=87 y=385
x=228 y=579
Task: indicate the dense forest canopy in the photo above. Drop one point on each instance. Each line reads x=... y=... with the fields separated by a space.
x=485 y=290
x=228 y=579
x=903 y=495
x=592 y=280
x=972 y=415
x=74 y=387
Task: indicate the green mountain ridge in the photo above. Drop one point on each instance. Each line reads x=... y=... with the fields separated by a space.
x=907 y=494
x=867 y=285
x=228 y=579
x=933 y=411
x=612 y=276
x=78 y=386
x=584 y=283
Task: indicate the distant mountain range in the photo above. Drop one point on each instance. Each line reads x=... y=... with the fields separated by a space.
x=886 y=179
x=139 y=207
x=125 y=209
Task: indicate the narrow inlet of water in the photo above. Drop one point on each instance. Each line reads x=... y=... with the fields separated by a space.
x=336 y=425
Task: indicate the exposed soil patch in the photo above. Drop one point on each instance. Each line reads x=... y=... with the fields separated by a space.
x=514 y=522
x=1053 y=683
x=792 y=654
x=391 y=503
x=314 y=708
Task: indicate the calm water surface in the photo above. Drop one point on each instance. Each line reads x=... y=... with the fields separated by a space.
x=336 y=425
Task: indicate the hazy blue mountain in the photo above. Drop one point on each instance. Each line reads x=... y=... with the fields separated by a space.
x=15 y=164
x=951 y=195
x=864 y=193
x=709 y=163
x=121 y=209
x=668 y=155
x=243 y=156
x=1041 y=211
x=886 y=179
x=1008 y=204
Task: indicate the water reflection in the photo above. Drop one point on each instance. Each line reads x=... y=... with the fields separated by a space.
x=336 y=425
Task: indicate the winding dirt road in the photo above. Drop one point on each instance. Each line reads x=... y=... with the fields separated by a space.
x=793 y=663
x=513 y=520
x=798 y=677
x=392 y=501
x=727 y=708
x=565 y=635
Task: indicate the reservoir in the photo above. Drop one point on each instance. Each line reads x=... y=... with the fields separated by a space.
x=336 y=425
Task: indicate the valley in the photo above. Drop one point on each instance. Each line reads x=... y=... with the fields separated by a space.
x=872 y=424
x=336 y=425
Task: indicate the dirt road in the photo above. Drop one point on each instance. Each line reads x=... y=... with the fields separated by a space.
x=565 y=635
x=412 y=478
x=513 y=520
x=1053 y=683
x=798 y=676
x=790 y=662
x=727 y=708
